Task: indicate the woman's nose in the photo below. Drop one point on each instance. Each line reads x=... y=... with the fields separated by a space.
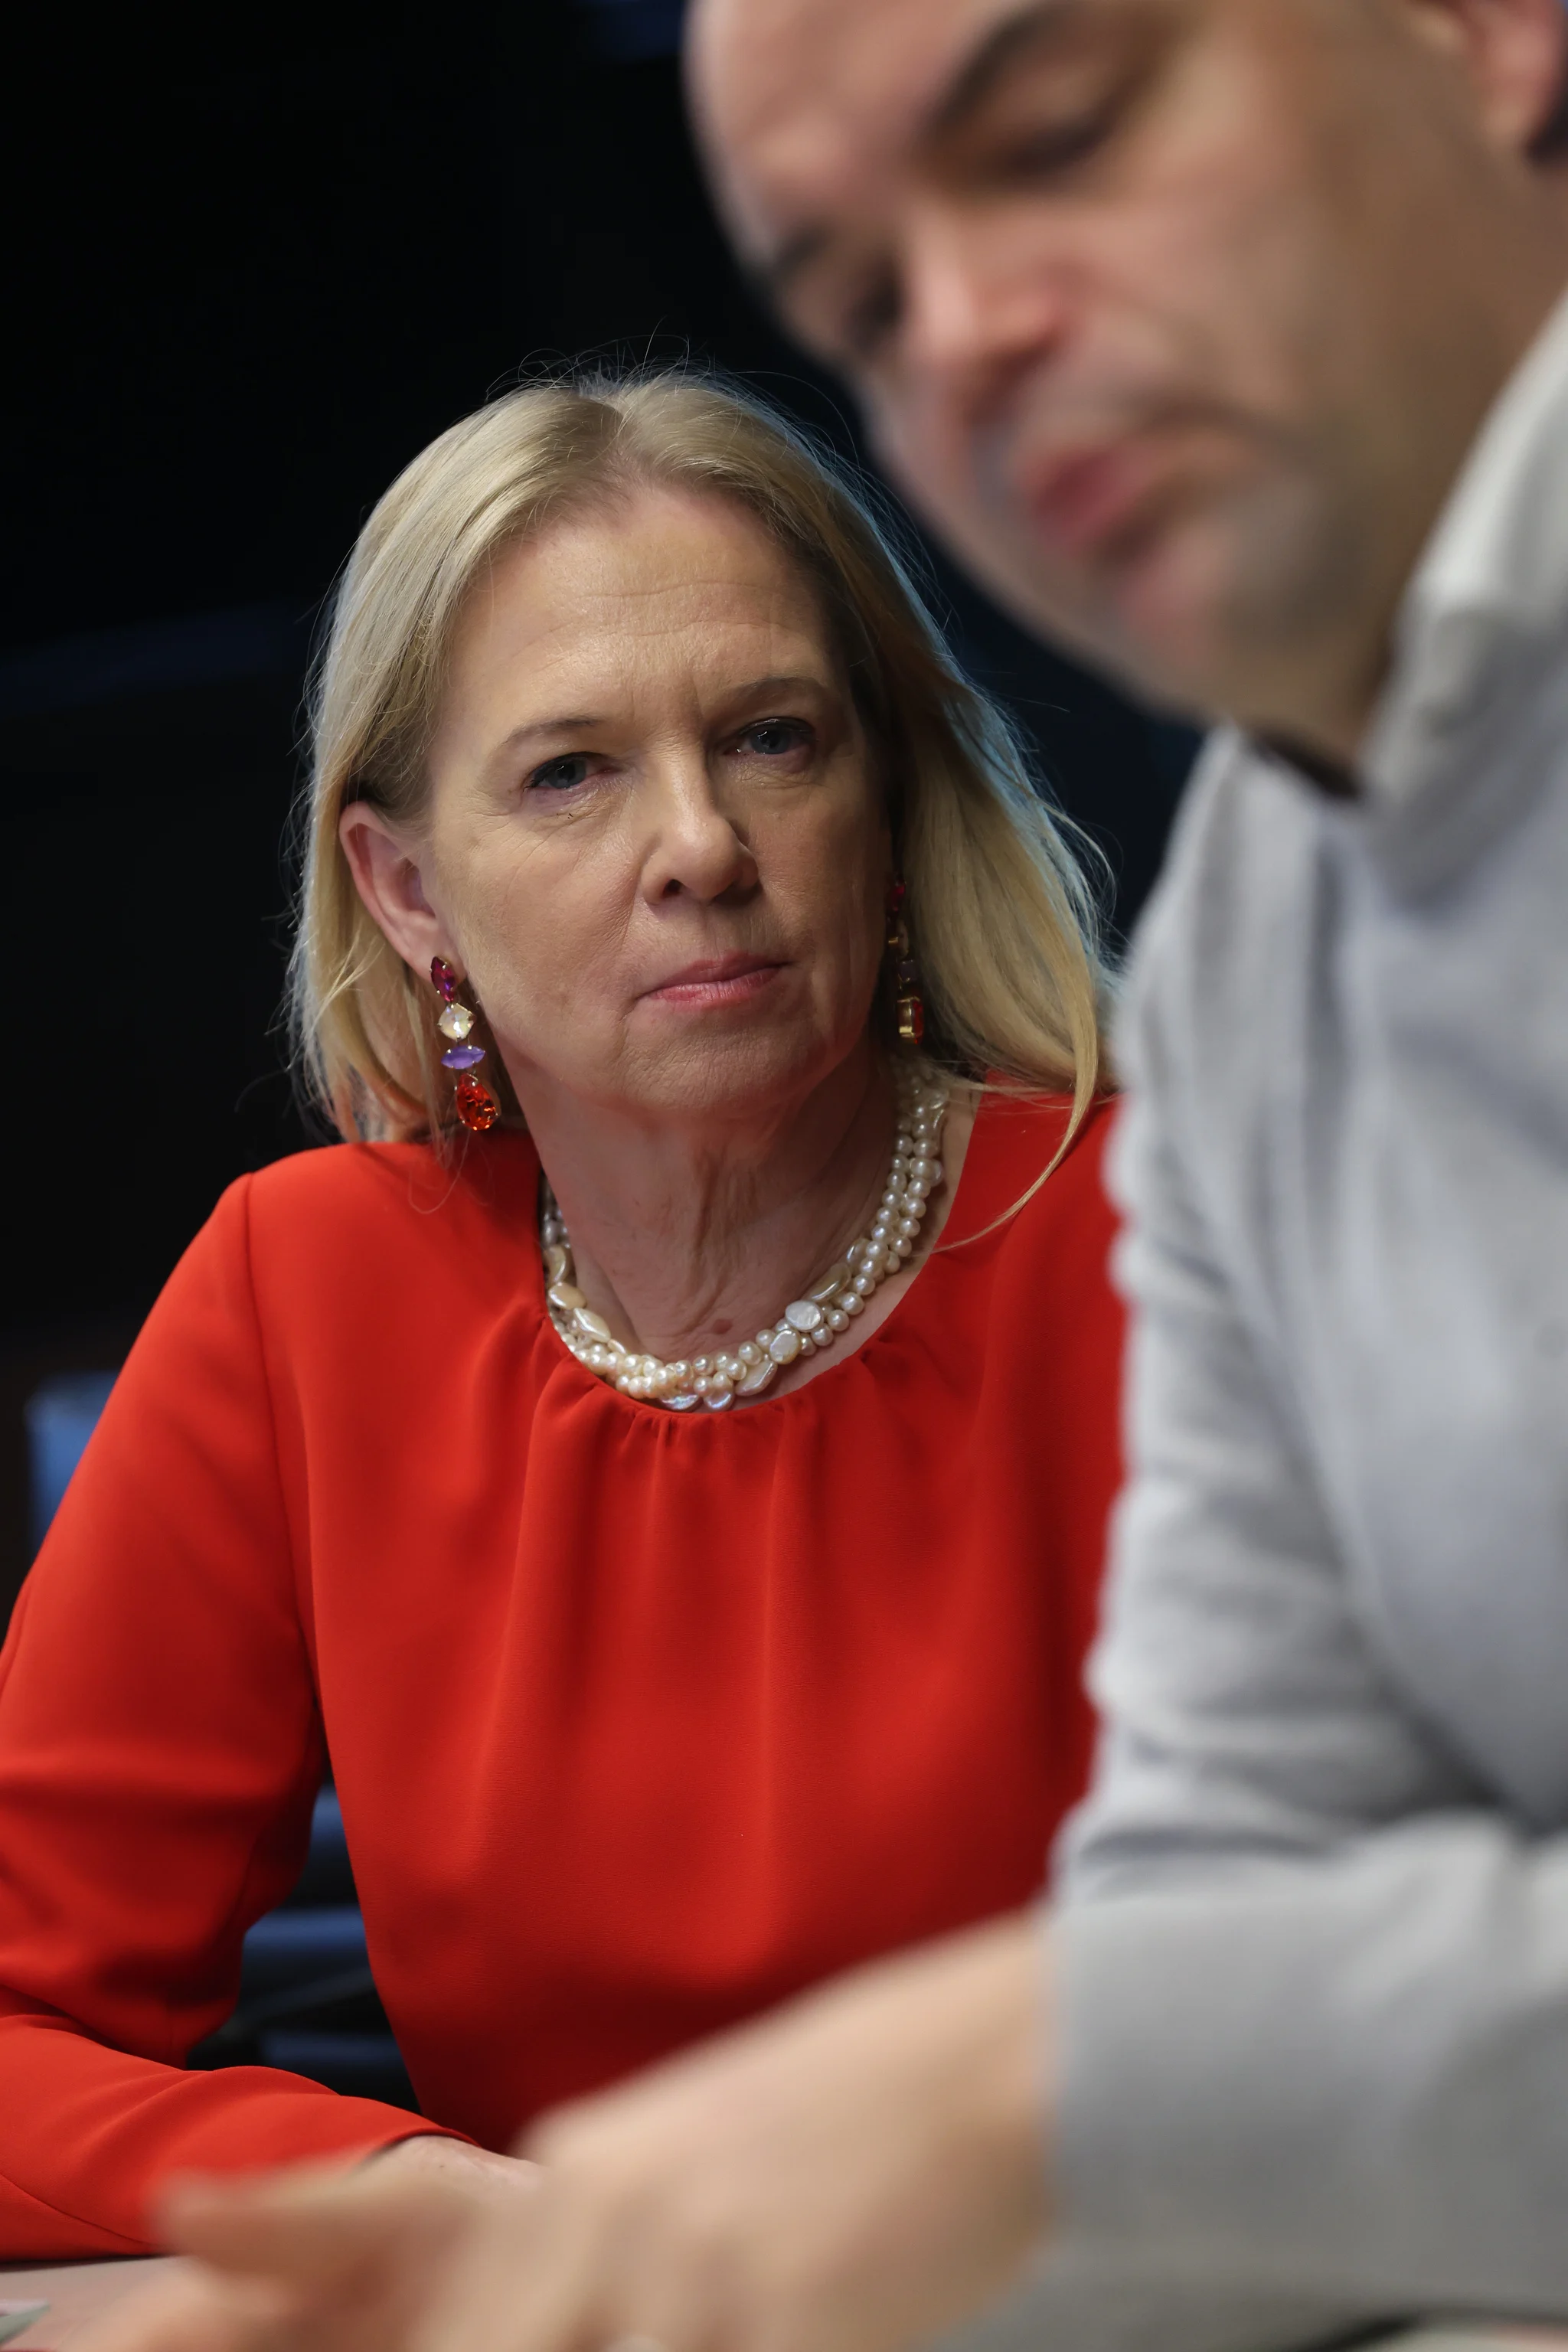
x=697 y=849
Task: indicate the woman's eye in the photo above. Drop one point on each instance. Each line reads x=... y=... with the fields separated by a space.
x=560 y=775
x=772 y=737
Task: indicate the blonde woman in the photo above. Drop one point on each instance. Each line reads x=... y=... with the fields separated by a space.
x=662 y=1450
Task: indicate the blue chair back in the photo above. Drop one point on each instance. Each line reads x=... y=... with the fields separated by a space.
x=61 y=1416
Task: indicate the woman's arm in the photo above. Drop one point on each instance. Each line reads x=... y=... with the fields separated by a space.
x=159 y=1754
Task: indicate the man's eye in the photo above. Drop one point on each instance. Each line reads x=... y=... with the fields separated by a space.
x=1061 y=137
x=560 y=775
x=870 y=320
x=1056 y=148
x=772 y=737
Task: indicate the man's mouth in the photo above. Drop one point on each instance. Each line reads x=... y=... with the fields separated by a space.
x=1087 y=501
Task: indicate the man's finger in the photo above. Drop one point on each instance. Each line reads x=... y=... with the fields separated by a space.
x=179 y=2311
x=523 y=2282
x=310 y=2225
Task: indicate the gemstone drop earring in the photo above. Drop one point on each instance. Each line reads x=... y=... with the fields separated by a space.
x=906 y=971
x=476 y=1106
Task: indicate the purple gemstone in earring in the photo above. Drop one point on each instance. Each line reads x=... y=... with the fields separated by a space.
x=462 y=1057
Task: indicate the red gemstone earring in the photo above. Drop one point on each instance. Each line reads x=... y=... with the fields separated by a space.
x=906 y=971
x=476 y=1106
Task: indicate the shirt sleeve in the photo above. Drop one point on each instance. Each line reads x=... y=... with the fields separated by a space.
x=1313 y=1986
x=159 y=1754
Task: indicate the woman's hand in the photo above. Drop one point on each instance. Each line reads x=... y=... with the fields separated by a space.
x=317 y=2259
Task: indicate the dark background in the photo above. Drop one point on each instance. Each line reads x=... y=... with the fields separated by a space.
x=252 y=269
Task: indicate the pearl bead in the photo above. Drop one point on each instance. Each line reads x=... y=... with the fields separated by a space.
x=807 y=1324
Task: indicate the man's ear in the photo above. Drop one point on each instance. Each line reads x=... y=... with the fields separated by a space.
x=388 y=878
x=1514 y=54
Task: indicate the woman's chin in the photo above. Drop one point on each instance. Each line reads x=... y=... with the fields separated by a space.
x=731 y=1072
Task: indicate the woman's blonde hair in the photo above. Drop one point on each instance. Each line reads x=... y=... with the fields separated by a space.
x=1001 y=917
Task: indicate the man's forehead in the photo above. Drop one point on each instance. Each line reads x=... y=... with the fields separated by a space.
x=804 y=102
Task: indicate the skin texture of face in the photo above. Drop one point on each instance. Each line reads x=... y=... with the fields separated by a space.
x=654 y=841
x=1176 y=317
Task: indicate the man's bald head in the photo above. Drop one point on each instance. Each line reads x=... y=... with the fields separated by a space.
x=1175 y=316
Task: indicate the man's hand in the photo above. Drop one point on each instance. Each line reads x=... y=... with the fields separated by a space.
x=854 y=2173
x=851 y=2174
x=323 y=2258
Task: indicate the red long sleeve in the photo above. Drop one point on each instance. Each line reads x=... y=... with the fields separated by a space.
x=639 y=1722
x=160 y=1749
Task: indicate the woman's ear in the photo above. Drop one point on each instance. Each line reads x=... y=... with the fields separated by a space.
x=387 y=879
x=1515 y=56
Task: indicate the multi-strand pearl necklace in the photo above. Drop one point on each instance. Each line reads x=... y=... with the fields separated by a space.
x=828 y=1307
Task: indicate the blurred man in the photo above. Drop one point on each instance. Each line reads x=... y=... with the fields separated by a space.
x=1226 y=340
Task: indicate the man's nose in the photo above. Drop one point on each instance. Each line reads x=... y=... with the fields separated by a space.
x=982 y=302
x=697 y=847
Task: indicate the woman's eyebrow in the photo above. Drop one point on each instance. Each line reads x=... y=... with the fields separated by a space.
x=787 y=684
x=572 y=724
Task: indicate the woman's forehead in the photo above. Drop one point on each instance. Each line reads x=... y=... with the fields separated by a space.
x=668 y=576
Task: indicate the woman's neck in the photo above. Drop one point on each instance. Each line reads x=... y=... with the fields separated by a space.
x=689 y=1237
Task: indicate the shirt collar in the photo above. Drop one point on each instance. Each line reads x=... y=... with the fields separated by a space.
x=1491 y=587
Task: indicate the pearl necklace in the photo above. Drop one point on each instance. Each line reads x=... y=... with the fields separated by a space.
x=828 y=1307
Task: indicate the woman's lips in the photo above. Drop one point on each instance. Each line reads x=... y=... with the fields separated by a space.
x=718 y=981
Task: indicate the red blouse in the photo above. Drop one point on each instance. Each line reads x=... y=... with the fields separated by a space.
x=639 y=1722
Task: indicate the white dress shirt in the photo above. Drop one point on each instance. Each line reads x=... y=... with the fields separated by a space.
x=1313 y=1934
